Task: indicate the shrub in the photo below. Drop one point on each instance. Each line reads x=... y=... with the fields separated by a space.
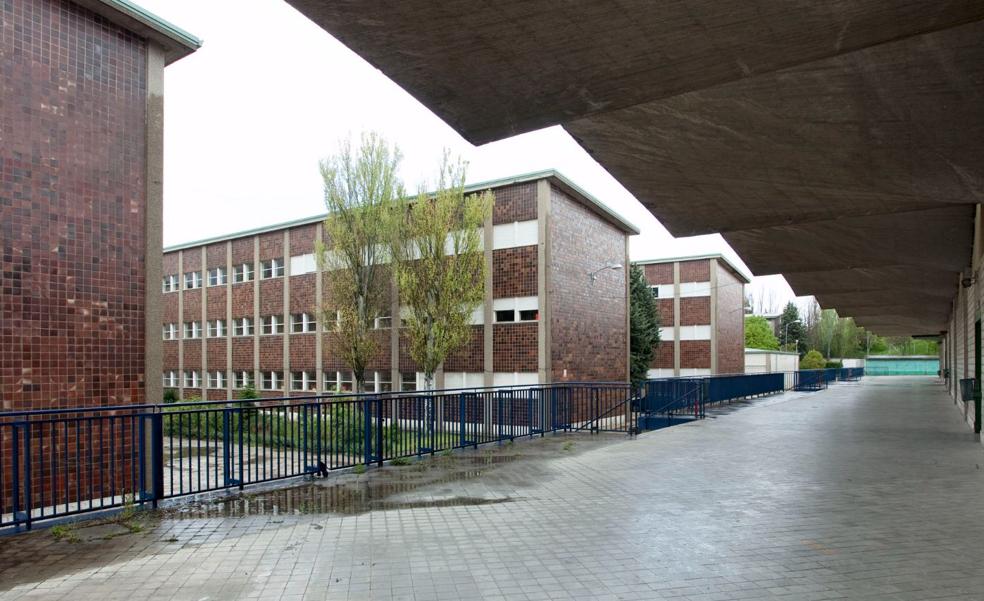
x=170 y=395
x=836 y=364
x=813 y=360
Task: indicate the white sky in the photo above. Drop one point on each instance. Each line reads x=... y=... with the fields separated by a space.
x=248 y=116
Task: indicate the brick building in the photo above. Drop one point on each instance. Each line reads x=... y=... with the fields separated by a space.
x=243 y=309
x=81 y=114
x=701 y=306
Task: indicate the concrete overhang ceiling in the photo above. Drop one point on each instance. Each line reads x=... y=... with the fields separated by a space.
x=841 y=144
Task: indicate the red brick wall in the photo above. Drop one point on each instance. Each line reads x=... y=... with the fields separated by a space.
x=170 y=355
x=695 y=354
x=271 y=353
x=659 y=273
x=302 y=239
x=664 y=355
x=695 y=271
x=271 y=297
x=242 y=251
x=471 y=356
x=514 y=272
x=215 y=349
x=302 y=297
x=72 y=200
x=513 y=347
x=242 y=354
x=695 y=311
x=730 y=322
x=215 y=255
x=515 y=203
x=302 y=351
x=588 y=332
x=271 y=246
x=242 y=300
x=215 y=304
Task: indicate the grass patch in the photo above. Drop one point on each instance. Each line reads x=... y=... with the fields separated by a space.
x=65 y=532
x=359 y=468
x=568 y=446
x=401 y=461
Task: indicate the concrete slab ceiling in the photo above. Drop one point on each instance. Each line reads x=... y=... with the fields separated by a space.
x=841 y=144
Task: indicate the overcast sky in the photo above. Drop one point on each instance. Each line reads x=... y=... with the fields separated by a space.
x=248 y=116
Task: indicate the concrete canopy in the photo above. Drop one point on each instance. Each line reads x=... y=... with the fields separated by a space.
x=841 y=144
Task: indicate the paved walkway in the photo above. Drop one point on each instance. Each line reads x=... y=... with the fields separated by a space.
x=864 y=491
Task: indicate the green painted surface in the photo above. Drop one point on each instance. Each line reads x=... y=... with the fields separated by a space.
x=901 y=367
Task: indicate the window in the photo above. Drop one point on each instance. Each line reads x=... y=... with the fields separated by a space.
x=302 y=264
x=217 y=276
x=242 y=326
x=193 y=279
x=216 y=379
x=334 y=325
x=302 y=322
x=242 y=272
x=655 y=290
x=345 y=381
x=170 y=379
x=383 y=383
x=244 y=379
x=192 y=379
x=192 y=329
x=409 y=381
x=170 y=283
x=303 y=380
x=170 y=331
x=505 y=315
x=274 y=268
x=383 y=322
x=529 y=315
x=217 y=328
x=273 y=324
x=272 y=380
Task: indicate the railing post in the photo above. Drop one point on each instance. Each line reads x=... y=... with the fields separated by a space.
x=597 y=409
x=226 y=448
x=239 y=418
x=461 y=419
x=380 y=451
x=366 y=433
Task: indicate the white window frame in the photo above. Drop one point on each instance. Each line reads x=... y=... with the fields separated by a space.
x=170 y=283
x=196 y=280
x=192 y=379
x=306 y=321
x=516 y=305
x=243 y=379
x=171 y=379
x=383 y=322
x=217 y=276
x=170 y=331
x=272 y=380
x=194 y=332
x=242 y=326
x=381 y=378
x=272 y=325
x=217 y=328
x=217 y=379
x=307 y=379
x=244 y=272
x=272 y=268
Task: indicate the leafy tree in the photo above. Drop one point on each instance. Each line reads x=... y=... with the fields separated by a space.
x=758 y=333
x=643 y=326
x=791 y=330
x=813 y=360
x=827 y=329
x=440 y=266
x=361 y=190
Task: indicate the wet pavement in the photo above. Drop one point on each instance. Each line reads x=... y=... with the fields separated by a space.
x=864 y=491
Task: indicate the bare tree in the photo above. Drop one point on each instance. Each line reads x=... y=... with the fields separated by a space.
x=361 y=190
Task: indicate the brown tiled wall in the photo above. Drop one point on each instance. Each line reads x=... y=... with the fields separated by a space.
x=302 y=299
x=659 y=273
x=514 y=272
x=695 y=354
x=242 y=300
x=587 y=321
x=215 y=255
x=302 y=351
x=515 y=203
x=192 y=305
x=302 y=239
x=666 y=312
x=664 y=355
x=730 y=322
x=695 y=311
x=242 y=354
x=514 y=347
x=72 y=208
x=470 y=357
x=192 y=354
x=695 y=271
x=215 y=349
x=272 y=353
x=271 y=246
x=242 y=251
x=272 y=296
x=215 y=304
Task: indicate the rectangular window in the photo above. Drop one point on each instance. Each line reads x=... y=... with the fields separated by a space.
x=383 y=322
x=345 y=381
x=192 y=330
x=655 y=290
x=216 y=379
x=242 y=326
x=217 y=328
x=303 y=381
x=302 y=264
x=529 y=315
x=170 y=283
x=273 y=324
x=505 y=316
x=217 y=276
x=272 y=380
x=242 y=273
x=302 y=323
x=193 y=279
x=409 y=381
x=192 y=379
x=170 y=331
x=170 y=379
x=383 y=383
x=244 y=379
x=274 y=268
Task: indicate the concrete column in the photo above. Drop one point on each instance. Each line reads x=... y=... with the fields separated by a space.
x=286 y=312
x=676 y=318
x=153 y=227
x=714 y=304
x=256 y=312
x=203 y=268
x=487 y=342
x=230 y=383
x=181 y=365
x=628 y=307
x=319 y=303
x=395 y=324
x=543 y=343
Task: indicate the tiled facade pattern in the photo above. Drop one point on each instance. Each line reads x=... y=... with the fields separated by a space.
x=590 y=320
x=700 y=302
x=72 y=208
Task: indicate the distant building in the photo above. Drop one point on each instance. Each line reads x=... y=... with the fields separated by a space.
x=81 y=118
x=242 y=309
x=701 y=304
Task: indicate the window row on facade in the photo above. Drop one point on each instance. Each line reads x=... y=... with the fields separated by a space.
x=241 y=273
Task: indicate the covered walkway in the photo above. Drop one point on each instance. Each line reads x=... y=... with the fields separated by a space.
x=868 y=490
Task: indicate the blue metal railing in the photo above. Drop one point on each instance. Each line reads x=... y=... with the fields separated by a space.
x=56 y=463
